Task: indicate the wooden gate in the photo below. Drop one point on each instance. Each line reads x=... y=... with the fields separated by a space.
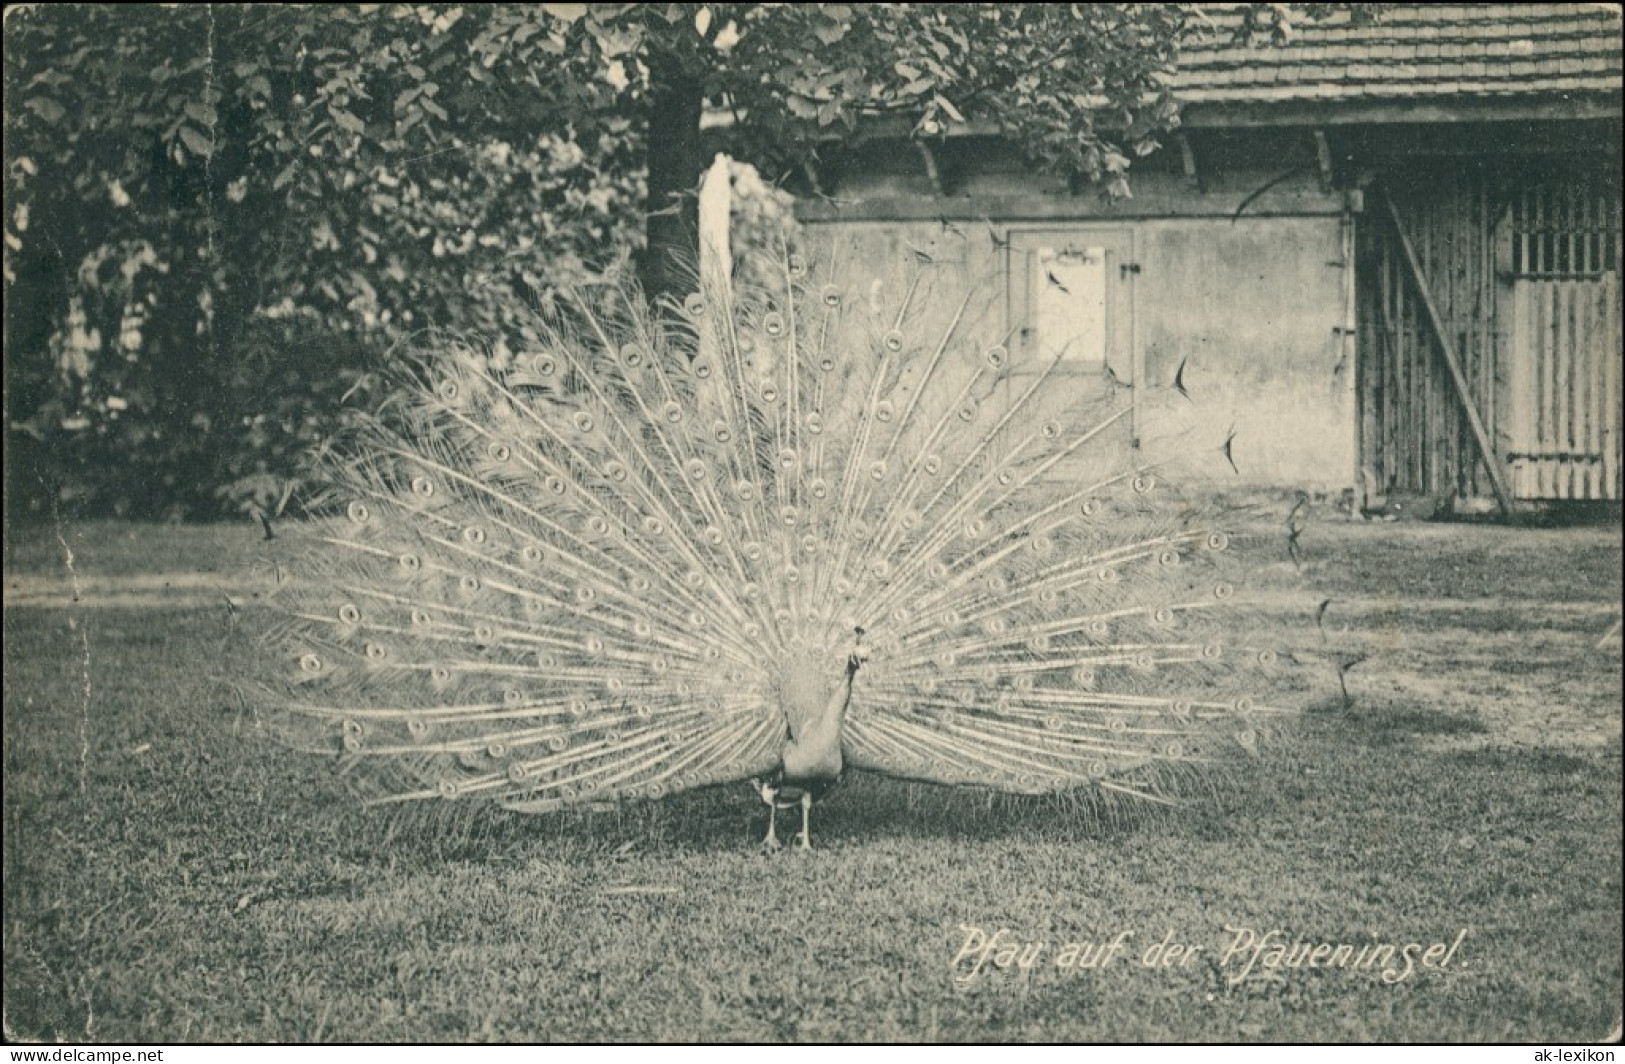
x=1563 y=324
x=1415 y=435
x=1512 y=273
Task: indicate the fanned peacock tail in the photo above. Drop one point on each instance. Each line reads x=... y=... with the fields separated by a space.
x=620 y=564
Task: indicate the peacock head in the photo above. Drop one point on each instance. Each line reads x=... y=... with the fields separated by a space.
x=859 y=655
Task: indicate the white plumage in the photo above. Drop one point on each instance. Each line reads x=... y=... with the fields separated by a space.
x=775 y=533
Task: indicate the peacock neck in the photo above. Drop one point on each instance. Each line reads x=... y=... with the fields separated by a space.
x=833 y=717
x=814 y=749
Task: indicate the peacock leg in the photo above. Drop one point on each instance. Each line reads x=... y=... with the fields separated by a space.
x=771 y=843
x=806 y=831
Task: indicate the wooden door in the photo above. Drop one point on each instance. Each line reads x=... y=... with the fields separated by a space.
x=1564 y=350
x=1072 y=310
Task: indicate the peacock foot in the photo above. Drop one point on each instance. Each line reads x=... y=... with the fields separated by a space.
x=771 y=844
x=803 y=842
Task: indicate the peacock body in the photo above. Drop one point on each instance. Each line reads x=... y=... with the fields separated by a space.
x=779 y=531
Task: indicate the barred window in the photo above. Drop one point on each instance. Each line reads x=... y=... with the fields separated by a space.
x=1566 y=227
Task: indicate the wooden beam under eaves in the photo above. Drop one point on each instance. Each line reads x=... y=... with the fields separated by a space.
x=1187 y=158
x=810 y=170
x=1323 y=160
x=932 y=173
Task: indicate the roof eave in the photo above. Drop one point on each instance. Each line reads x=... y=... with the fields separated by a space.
x=1508 y=107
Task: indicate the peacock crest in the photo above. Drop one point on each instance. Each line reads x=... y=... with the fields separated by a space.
x=780 y=523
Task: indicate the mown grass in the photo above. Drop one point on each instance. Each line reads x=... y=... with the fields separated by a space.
x=171 y=873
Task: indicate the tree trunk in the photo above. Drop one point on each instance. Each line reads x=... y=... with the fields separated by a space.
x=675 y=164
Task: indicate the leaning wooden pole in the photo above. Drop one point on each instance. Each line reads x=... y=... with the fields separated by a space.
x=1485 y=450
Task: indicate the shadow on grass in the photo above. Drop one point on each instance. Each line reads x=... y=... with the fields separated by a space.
x=1538 y=760
x=729 y=819
x=1397 y=723
x=1383 y=723
x=1565 y=513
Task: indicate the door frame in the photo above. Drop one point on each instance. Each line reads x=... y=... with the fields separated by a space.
x=1122 y=355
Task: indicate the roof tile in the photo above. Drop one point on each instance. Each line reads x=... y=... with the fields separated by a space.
x=1416 y=50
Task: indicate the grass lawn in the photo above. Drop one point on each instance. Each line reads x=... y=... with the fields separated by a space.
x=171 y=874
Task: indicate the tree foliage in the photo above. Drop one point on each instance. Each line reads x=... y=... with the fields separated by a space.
x=1078 y=87
x=221 y=219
